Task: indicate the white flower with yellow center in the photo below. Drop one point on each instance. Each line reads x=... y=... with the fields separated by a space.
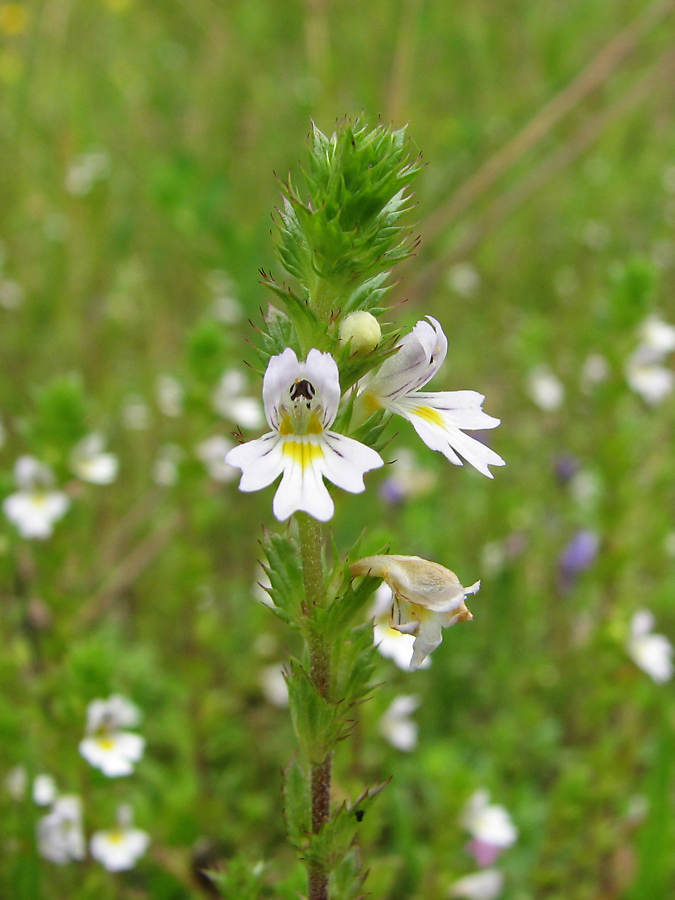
x=439 y=418
x=108 y=746
x=119 y=848
x=391 y=643
x=427 y=597
x=35 y=507
x=301 y=401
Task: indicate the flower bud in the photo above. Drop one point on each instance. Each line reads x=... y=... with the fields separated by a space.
x=362 y=330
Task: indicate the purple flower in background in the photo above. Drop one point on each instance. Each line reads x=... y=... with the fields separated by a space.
x=566 y=467
x=578 y=555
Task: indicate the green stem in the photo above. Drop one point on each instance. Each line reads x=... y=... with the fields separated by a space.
x=319 y=662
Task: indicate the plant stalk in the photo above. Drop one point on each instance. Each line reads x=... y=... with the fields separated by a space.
x=319 y=662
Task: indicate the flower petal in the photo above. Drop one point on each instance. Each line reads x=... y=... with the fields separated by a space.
x=439 y=431
x=419 y=356
x=346 y=461
x=281 y=372
x=260 y=461
x=321 y=371
x=302 y=487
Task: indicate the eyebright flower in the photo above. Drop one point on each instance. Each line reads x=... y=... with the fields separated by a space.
x=438 y=418
x=397 y=726
x=427 y=597
x=59 y=834
x=301 y=401
x=653 y=653
x=107 y=747
x=119 y=848
x=90 y=463
x=34 y=508
x=490 y=827
x=391 y=643
x=44 y=790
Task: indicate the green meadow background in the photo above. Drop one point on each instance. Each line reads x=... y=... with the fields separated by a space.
x=546 y=211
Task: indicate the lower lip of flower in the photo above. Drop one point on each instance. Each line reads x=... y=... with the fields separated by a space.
x=428 y=413
x=301 y=452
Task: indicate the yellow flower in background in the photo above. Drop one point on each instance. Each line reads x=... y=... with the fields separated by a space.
x=14 y=18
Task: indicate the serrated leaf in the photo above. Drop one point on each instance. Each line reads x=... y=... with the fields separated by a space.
x=284 y=570
x=297 y=803
x=346 y=881
x=316 y=721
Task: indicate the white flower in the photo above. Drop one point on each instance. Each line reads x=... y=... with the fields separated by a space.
x=361 y=331
x=651 y=652
x=85 y=170
x=212 y=453
x=229 y=401
x=164 y=469
x=44 y=790
x=390 y=643
x=485 y=885
x=397 y=726
x=90 y=463
x=170 y=395
x=107 y=746
x=273 y=685
x=135 y=413
x=34 y=508
x=488 y=823
x=658 y=336
x=463 y=279
x=59 y=833
x=301 y=401
x=649 y=378
x=427 y=597
x=438 y=418
x=545 y=389
x=119 y=848
x=16 y=782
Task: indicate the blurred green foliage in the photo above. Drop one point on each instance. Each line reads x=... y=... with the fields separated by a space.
x=139 y=140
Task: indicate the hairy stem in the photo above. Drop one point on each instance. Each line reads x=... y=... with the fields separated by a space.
x=319 y=661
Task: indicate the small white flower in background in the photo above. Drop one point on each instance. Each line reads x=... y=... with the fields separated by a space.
x=397 y=726
x=212 y=453
x=586 y=489
x=566 y=282
x=594 y=371
x=35 y=507
x=439 y=418
x=596 y=235
x=44 y=790
x=273 y=685
x=90 y=462
x=11 y=294
x=301 y=401
x=406 y=479
x=463 y=279
x=170 y=396
x=485 y=885
x=165 y=467
x=229 y=401
x=60 y=838
x=108 y=746
x=490 y=827
x=85 y=170
x=545 y=389
x=427 y=597
x=226 y=308
x=16 y=782
x=653 y=653
x=135 y=413
x=121 y=847
x=645 y=372
x=390 y=643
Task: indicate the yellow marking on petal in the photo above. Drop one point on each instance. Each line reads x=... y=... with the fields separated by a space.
x=302 y=452
x=105 y=743
x=429 y=413
x=115 y=837
x=286 y=426
x=371 y=402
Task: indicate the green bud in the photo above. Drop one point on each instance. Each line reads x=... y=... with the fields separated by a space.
x=362 y=331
